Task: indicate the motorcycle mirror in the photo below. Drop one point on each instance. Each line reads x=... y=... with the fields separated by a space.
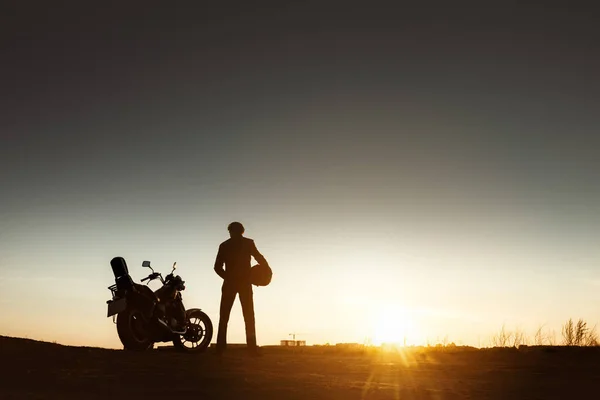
x=146 y=264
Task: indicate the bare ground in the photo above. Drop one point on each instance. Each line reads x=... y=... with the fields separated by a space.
x=39 y=370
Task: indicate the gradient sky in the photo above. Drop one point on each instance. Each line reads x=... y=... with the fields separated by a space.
x=435 y=167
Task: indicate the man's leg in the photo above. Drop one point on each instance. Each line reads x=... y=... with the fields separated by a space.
x=228 y=293
x=246 y=298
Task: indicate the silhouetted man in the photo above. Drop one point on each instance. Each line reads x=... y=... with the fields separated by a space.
x=236 y=253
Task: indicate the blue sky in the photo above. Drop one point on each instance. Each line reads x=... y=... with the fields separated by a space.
x=384 y=162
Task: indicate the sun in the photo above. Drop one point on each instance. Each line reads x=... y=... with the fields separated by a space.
x=394 y=325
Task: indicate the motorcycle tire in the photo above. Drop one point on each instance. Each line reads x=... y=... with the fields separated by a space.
x=131 y=331
x=207 y=332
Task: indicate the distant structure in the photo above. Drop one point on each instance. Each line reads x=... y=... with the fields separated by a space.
x=293 y=342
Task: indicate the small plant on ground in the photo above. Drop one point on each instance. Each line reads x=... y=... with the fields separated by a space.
x=502 y=338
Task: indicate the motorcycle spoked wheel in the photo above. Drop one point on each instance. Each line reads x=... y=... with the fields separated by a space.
x=132 y=331
x=199 y=332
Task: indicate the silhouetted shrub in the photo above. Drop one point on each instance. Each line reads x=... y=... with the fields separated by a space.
x=579 y=334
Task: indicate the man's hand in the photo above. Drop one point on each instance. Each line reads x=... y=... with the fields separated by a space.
x=219 y=264
x=221 y=272
x=257 y=256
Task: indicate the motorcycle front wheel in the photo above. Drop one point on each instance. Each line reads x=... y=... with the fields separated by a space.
x=198 y=334
x=132 y=330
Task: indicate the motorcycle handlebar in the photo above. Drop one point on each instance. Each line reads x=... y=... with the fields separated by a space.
x=151 y=276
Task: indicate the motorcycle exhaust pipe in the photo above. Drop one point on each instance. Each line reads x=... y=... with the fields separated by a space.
x=164 y=324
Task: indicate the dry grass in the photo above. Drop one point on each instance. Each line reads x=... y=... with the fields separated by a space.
x=573 y=334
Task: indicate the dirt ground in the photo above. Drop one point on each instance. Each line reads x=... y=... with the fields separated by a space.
x=38 y=370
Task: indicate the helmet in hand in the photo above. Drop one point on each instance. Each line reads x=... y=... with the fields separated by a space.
x=260 y=275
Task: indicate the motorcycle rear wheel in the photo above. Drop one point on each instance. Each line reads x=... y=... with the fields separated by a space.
x=199 y=332
x=131 y=330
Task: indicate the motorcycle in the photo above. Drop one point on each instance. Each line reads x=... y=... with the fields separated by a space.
x=144 y=317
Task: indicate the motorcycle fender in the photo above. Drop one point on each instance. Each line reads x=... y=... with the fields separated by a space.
x=116 y=306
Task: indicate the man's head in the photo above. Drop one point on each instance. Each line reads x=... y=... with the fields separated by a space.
x=235 y=229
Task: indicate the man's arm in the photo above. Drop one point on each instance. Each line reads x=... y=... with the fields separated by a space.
x=219 y=263
x=257 y=256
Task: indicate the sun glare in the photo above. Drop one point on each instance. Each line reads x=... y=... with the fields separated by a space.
x=394 y=325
